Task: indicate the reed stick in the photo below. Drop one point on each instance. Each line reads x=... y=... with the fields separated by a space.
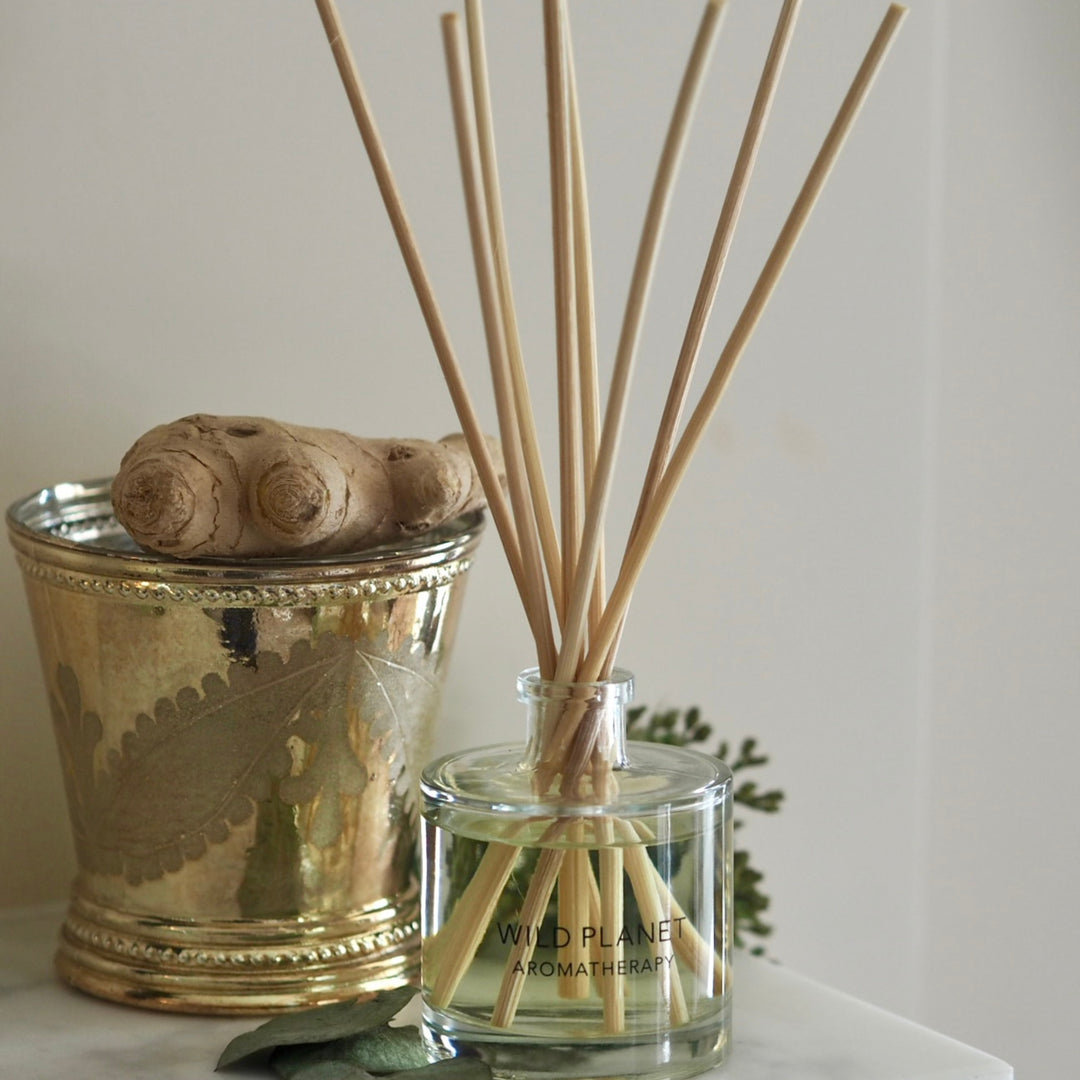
x=549 y=541
x=596 y=916
x=640 y=545
x=654 y=903
x=569 y=391
x=644 y=265
x=509 y=430
x=425 y=295
x=461 y=934
x=714 y=265
x=690 y=947
x=537 y=897
x=613 y=992
x=576 y=875
x=566 y=890
x=612 y=868
x=589 y=379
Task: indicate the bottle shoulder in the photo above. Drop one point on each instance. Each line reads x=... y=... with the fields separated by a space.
x=654 y=776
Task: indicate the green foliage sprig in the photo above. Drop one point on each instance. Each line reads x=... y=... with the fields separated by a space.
x=673 y=727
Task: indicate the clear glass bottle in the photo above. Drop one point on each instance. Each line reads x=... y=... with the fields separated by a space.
x=577 y=896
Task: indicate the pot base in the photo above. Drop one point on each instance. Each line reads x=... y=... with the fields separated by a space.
x=241 y=967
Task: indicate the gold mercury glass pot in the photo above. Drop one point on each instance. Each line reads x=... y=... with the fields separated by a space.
x=240 y=745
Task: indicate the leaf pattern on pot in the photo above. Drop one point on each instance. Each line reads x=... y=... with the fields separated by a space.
x=183 y=777
x=186 y=775
x=77 y=735
x=397 y=697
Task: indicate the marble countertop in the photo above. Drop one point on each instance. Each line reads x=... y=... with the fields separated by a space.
x=787 y=1027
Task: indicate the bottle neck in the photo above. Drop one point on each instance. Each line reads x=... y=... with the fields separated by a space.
x=575 y=727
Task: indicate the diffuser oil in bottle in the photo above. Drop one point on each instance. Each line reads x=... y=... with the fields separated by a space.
x=576 y=917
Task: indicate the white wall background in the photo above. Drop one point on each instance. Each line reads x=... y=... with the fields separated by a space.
x=873 y=565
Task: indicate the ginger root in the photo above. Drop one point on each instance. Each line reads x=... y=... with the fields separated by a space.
x=242 y=486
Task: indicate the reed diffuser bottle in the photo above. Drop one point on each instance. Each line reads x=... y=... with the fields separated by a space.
x=577 y=892
x=577 y=896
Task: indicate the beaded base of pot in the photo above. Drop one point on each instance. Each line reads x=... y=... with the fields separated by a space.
x=577 y=902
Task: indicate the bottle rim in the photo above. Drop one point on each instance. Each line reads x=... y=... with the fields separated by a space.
x=618 y=689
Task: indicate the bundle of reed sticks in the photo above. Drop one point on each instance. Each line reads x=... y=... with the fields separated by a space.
x=557 y=561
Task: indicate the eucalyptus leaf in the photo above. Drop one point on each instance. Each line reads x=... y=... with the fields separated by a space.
x=459 y=1068
x=382 y=1050
x=324 y=1024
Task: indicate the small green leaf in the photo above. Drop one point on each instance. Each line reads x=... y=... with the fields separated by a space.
x=317 y=1025
x=381 y=1050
